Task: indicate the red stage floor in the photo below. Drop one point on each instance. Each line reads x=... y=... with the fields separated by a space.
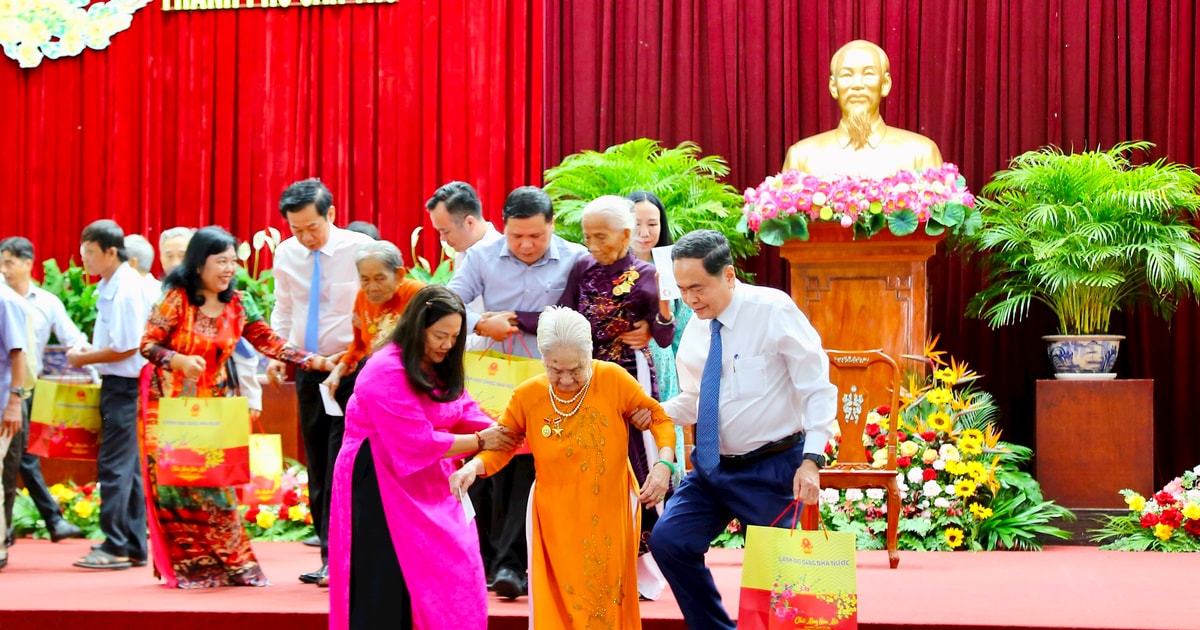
x=1062 y=587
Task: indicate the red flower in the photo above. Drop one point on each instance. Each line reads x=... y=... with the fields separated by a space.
x=901 y=436
x=1164 y=499
x=88 y=489
x=1149 y=520
x=1172 y=517
x=1192 y=527
x=829 y=447
x=929 y=474
x=252 y=514
x=883 y=410
x=290 y=498
x=903 y=461
x=880 y=440
x=929 y=436
x=872 y=430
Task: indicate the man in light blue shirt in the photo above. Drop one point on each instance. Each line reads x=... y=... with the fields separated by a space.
x=13 y=340
x=121 y=313
x=525 y=271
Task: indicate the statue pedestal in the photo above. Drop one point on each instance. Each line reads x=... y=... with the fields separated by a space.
x=863 y=294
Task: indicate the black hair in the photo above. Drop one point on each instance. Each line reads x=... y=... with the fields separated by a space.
x=305 y=193
x=106 y=234
x=427 y=306
x=528 y=201
x=207 y=241
x=664 y=225
x=363 y=227
x=709 y=246
x=461 y=201
x=17 y=247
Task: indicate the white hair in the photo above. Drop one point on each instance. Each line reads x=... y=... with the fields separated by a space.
x=561 y=327
x=175 y=232
x=616 y=211
x=136 y=246
x=385 y=252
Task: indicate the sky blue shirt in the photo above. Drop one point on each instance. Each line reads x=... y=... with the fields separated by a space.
x=505 y=283
x=121 y=314
x=13 y=335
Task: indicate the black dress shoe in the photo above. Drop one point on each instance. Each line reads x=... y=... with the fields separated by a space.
x=509 y=584
x=315 y=576
x=9 y=539
x=312 y=541
x=63 y=530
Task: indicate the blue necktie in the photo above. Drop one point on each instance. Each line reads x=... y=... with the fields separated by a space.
x=311 y=329
x=708 y=428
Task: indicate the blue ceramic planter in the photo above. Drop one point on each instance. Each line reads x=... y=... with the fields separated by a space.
x=1084 y=357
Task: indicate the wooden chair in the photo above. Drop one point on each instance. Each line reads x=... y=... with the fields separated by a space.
x=861 y=390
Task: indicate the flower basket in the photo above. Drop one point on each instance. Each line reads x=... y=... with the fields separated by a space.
x=1167 y=521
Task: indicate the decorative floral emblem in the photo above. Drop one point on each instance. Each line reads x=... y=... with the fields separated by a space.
x=852 y=404
x=34 y=29
x=624 y=284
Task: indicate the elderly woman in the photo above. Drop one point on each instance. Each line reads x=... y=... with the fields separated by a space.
x=384 y=291
x=583 y=539
x=196 y=534
x=402 y=553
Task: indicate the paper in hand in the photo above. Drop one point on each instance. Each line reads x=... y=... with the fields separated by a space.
x=667 y=289
x=331 y=406
x=467 y=506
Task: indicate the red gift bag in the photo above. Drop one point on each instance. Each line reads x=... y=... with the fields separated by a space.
x=65 y=420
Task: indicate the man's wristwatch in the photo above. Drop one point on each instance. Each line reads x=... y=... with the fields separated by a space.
x=816 y=458
x=19 y=392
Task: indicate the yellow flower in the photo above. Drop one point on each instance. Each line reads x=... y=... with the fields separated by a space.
x=1136 y=502
x=296 y=513
x=970 y=447
x=1163 y=532
x=946 y=375
x=1191 y=510
x=954 y=537
x=948 y=452
x=980 y=512
x=971 y=434
x=874 y=418
x=939 y=421
x=965 y=488
x=955 y=467
x=909 y=448
x=978 y=473
x=265 y=519
x=84 y=508
x=939 y=396
x=929 y=456
x=879 y=459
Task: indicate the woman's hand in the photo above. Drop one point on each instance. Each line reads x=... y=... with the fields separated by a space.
x=335 y=378
x=656 y=486
x=498 y=438
x=637 y=338
x=462 y=478
x=324 y=364
x=641 y=418
x=191 y=365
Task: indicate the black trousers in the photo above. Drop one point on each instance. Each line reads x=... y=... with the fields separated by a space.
x=322 y=441
x=500 y=503
x=379 y=597
x=119 y=470
x=30 y=468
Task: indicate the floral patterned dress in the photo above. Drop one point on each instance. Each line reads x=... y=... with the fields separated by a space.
x=196 y=534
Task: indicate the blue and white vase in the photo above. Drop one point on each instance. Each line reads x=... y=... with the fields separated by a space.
x=1084 y=357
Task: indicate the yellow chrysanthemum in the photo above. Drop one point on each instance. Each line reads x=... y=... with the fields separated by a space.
x=955 y=467
x=1163 y=532
x=265 y=519
x=939 y=396
x=954 y=537
x=1136 y=502
x=85 y=508
x=971 y=434
x=970 y=447
x=909 y=448
x=296 y=513
x=965 y=488
x=980 y=512
x=1191 y=510
x=939 y=421
x=929 y=456
x=946 y=375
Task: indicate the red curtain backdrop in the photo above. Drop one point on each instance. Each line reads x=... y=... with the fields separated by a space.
x=985 y=80
x=204 y=117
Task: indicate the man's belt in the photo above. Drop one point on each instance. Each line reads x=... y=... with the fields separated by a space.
x=763 y=452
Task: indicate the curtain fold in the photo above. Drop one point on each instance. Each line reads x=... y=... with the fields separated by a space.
x=986 y=80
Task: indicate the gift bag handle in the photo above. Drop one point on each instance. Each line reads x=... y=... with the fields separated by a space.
x=794 y=506
x=507 y=346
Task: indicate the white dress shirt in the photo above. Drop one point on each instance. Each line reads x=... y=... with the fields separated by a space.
x=490 y=236
x=46 y=315
x=339 y=287
x=774 y=373
x=121 y=314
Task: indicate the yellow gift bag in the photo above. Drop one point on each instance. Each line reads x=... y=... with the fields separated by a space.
x=203 y=442
x=65 y=421
x=492 y=376
x=798 y=579
x=266 y=470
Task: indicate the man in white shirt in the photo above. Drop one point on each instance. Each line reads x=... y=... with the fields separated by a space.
x=46 y=314
x=457 y=215
x=141 y=258
x=121 y=313
x=316 y=282
x=13 y=341
x=754 y=380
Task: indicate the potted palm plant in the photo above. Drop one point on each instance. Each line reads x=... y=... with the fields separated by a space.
x=1085 y=234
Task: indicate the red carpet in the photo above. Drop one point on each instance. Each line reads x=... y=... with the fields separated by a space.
x=1062 y=587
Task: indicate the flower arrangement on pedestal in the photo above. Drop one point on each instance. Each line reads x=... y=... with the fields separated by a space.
x=781 y=207
x=289 y=520
x=1167 y=521
x=31 y=30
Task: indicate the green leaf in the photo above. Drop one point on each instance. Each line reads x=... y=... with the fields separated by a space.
x=775 y=232
x=902 y=222
x=933 y=228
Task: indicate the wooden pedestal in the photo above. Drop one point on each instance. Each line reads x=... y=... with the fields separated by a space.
x=863 y=294
x=1094 y=438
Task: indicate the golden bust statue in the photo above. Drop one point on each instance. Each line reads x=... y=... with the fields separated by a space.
x=861 y=144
